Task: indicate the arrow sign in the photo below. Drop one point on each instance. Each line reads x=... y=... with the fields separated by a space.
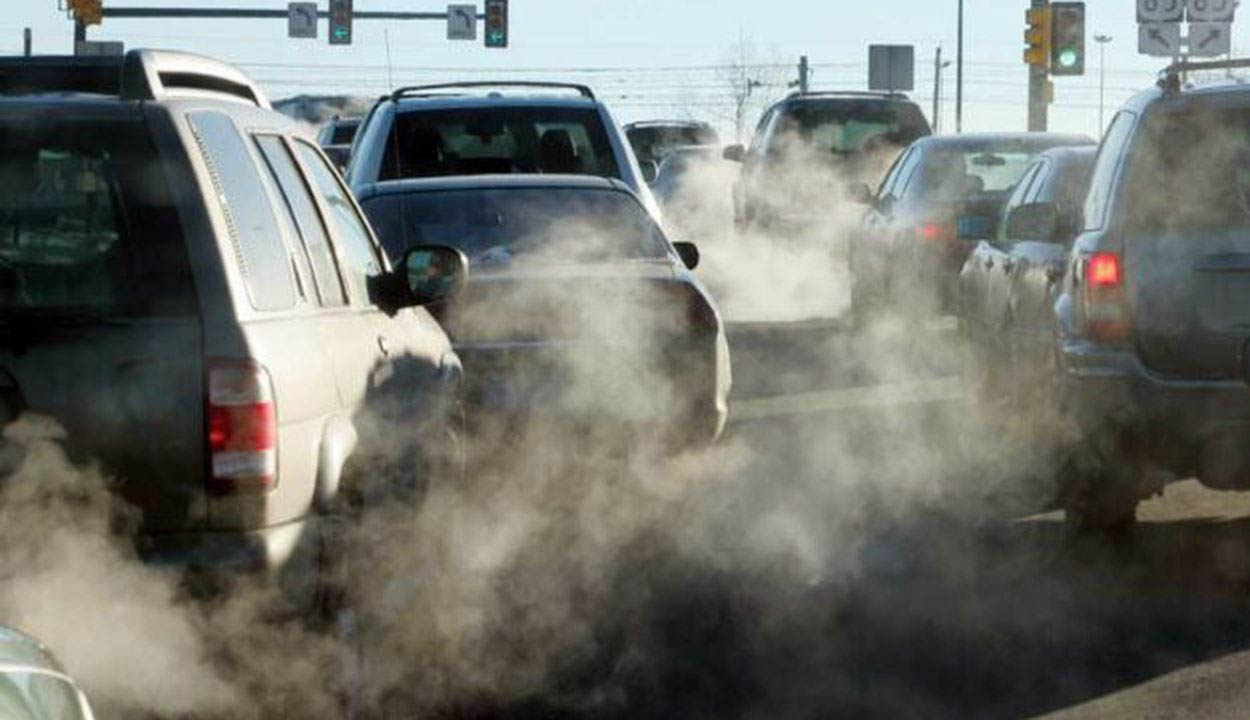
x=462 y=22
x=302 y=20
x=1209 y=39
x=1159 y=39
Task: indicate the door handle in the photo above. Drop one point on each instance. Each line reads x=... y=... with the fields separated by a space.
x=384 y=346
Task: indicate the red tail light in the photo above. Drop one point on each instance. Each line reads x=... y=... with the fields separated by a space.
x=242 y=427
x=936 y=232
x=1106 y=312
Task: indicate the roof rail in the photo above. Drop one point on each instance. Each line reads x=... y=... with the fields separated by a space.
x=138 y=75
x=1170 y=76
x=422 y=90
x=849 y=93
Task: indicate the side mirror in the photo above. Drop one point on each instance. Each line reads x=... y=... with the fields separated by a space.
x=650 y=170
x=689 y=254
x=859 y=193
x=426 y=274
x=1036 y=221
x=734 y=152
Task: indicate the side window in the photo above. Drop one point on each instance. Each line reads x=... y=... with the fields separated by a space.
x=1105 y=165
x=890 y=181
x=349 y=230
x=757 y=140
x=1039 y=182
x=908 y=173
x=307 y=221
x=254 y=232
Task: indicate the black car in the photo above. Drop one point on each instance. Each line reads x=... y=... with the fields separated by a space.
x=809 y=146
x=937 y=201
x=579 y=306
x=1153 y=320
x=1007 y=287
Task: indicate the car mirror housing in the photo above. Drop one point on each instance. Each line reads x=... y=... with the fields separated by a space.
x=1038 y=222
x=859 y=193
x=650 y=170
x=734 y=152
x=689 y=254
x=433 y=273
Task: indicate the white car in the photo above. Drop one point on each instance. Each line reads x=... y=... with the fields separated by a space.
x=33 y=685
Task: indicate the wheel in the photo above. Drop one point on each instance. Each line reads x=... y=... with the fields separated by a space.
x=1099 y=491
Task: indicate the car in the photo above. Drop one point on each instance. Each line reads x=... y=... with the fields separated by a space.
x=188 y=287
x=579 y=307
x=33 y=685
x=335 y=138
x=939 y=198
x=809 y=146
x=516 y=127
x=653 y=139
x=1151 y=325
x=692 y=187
x=1008 y=284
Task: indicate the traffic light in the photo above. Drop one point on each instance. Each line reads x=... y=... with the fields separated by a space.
x=496 y=23
x=87 y=12
x=340 y=22
x=1037 y=37
x=1067 y=38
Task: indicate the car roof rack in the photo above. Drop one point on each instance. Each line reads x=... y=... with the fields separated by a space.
x=661 y=121
x=1171 y=76
x=140 y=74
x=424 y=90
x=870 y=94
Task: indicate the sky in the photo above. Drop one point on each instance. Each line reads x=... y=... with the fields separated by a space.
x=650 y=58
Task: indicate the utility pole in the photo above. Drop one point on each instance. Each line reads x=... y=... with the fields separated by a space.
x=26 y=42
x=959 y=73
x=1039 y=81
x=803 y=74
x=1102 y=41
x=938 y=67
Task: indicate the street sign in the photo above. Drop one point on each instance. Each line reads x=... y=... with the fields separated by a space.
x=301 y=20
x=1211 y=11
x=340 y=22
x=462 y=22
x=891 y=67
x=1210 y=39
x=1160 y=11
x=1159 y=39
x=96 y=48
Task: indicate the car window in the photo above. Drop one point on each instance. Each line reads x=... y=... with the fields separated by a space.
x=303 y=212
x=253 y=227
x=86 y=222
x=891 y=181
x=476 y=141
x=1104 y=168
x=757 y=140
x=38 y=696
x=349 y=231
x=956 y=172
x=1027 y=185
x=908 y=174
x=825 y=129
x=502 y=225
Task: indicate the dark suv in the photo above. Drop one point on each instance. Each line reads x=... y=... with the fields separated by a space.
x=808 y=147
x=189 y=288
x=1153 y=319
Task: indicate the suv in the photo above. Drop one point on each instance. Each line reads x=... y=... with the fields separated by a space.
x=189 y=288
x=1153 y=320
x=440 y=130
x=653 y=139
x=809 y=146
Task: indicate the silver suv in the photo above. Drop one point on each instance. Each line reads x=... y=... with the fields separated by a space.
x=189 y=288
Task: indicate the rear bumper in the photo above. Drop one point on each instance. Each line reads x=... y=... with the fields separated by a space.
x=253 y=550
x=1180 y=424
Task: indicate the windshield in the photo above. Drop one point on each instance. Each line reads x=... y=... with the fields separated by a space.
x=655 y=142
x=965 y=173
x=495 y=226
x=477 y=141
x=846 y=128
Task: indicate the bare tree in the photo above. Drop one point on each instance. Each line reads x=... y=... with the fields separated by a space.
x=751 y=81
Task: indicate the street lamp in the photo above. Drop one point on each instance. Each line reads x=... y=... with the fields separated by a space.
x=1102 y=41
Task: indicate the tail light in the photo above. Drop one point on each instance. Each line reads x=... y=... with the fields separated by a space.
x=242 y=428
x=936 y=232
x=1105 y=309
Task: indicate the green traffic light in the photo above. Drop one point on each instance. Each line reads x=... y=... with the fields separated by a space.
x=1067 y=58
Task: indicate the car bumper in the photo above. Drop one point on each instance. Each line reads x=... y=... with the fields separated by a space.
x=1184 y=425
x=253 y=550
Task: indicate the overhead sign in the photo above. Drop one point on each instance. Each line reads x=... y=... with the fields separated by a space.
x=1210 y=39
x=1159 y=39
x=1160 y=11
x=1211 y=11
x=891 y=67
x=301 y=20
x=462 y=22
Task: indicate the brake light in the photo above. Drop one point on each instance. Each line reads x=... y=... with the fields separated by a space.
x=241 y=427
x=1106 y=312
x=936 y=232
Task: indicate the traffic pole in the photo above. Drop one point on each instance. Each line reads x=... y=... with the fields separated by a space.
x=959 y=73
x=26 y=42
x=937 y=87
x=803 y=73
x=1038 y=78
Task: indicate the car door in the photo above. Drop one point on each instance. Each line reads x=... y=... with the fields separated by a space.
x=877 y=244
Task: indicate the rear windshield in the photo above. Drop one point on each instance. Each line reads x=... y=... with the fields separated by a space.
x=954 y=174
x=495 y=226
x=1190 y=171
x=654 y=142
x=85 y=222
x=343 y=131
x=848 y=127
x=476 y=141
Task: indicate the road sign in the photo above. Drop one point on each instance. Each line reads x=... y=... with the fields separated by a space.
x=891 y=67
x=301 y=20
x=1211 y=11
x=1209 y=39
x=1159 y=39
x=462 y=22
x=1160 y=11
x=340 y=22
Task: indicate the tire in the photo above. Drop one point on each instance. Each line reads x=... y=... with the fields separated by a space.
x=1099 y=492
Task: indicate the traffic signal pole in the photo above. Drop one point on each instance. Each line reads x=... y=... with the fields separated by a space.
x=200 y=12
x=1039 y=78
